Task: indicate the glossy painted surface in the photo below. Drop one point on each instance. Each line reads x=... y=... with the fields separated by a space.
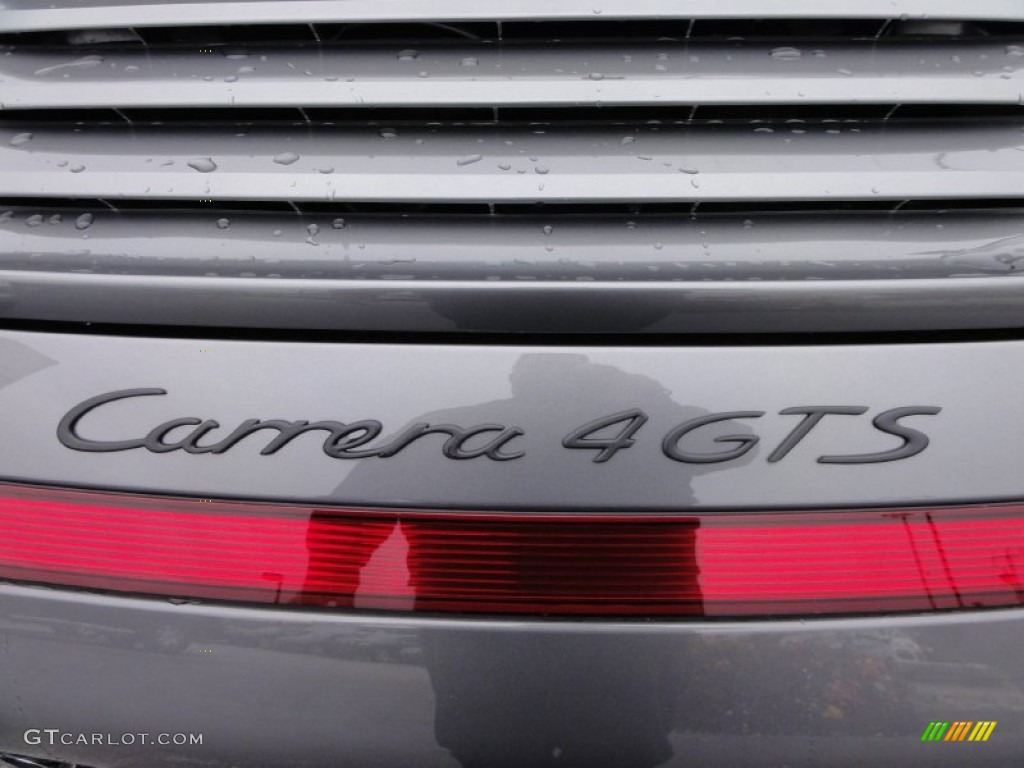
x=580 y=268
x=271 y=687
x=716 y=427
x=292 y=689
x=756 y=273
x=494 y=164
x=547 y=393
x=552 y=74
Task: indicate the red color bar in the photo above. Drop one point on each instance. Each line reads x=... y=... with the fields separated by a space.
x=708 y=564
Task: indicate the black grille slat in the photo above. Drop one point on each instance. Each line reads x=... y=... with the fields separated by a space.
x=805 y=31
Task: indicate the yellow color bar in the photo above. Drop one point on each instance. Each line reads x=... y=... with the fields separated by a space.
x=982 y=730
x=990 y=726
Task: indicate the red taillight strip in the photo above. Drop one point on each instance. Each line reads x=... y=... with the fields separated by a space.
x=713 y=563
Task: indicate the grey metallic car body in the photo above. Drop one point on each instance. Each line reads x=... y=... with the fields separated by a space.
x=287 y=687
x=526 y=320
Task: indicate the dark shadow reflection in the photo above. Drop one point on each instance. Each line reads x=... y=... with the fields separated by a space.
x=564 y=697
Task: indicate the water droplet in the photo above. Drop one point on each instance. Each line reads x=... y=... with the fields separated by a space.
x=388 y=133
x=84 y=221
x=786 y=53
x=423 y=74
x=845 y=72
x=469 y=159
x=231 y=79
x=748 y=224
x=630 y=225
x=277 y=233
x=21 y=138
x=35 y=220
x=6 y=216
x=223 y=223
x=1015 y=50
x=469 y=61
x=338 y=223
x=595 y=76
x=202 y=164
x=77 y=168
x=764 y=129
x=286 y=158
x=627 y=140
x=313 y=229
x=505 y=166
x=408 y=55
x=658 y=246
x=691 y=171
x=541 y=170
x=547 y=229
x=55 y=219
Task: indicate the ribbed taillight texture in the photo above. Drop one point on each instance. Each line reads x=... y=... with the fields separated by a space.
x=717 y=564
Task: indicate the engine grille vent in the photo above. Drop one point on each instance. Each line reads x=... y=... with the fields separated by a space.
x=859 y=169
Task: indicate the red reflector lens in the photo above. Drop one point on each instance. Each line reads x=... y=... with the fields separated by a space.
x=709 y=564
